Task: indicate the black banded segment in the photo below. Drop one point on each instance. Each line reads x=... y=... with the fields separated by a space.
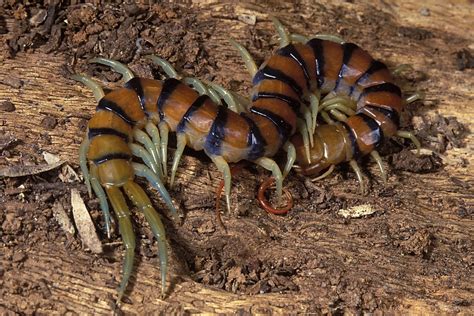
x=106 y=131
x=390 y=114
x=255 y=140
x=290 y=51
x=189 y=113
x=348 y=50
x=317 y=46
x=283 y=127
x=376 y=131
x=107 y=105
x=383 y=87
x=135 y=84
x=274 y=74
x=374 y=67
x=293 y=103
x=213 y=144
x=353 y=139
x=169 y=85
x=108 y=157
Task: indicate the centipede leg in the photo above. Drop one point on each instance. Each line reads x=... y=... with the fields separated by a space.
x=164 y=131
x=301 y=126
x=141 y=200
x=143 y=139
x=141 y=152
x=415 y=97
x=309 y=122
x=330 y=37
x=153 y=131
x=375 y=155
x=145 y=172
x=91 y=84
x=338 y=115
x=101 y=195
x=248 y=60
x=326 y=118
x=325 y=174
x=181 y=144
x=299 y=38
x=340 y=107
x=126 y=73
x=281 y=30
x=197 y=85
x=272 y=166
x=83 y=164
x=290 y=157
x=165 y=65
x=126 y=231
x=223 y=167
x=228 y=97
x=358 y=173
x=412 y=137
x=314 y=107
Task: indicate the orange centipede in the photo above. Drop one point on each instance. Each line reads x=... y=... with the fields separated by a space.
x=339 y=80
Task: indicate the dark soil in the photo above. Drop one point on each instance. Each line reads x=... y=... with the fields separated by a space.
x=259 y=253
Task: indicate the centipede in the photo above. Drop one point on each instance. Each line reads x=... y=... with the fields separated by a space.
x=354 y=95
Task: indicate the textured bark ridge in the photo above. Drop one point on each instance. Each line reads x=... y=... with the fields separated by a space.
x=412 y=251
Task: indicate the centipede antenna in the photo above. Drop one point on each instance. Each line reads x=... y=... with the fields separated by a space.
x=196 y=84
x=415 y=97
x=314 y=107
x=330 y=37
x=143 y=171
x=141 y=152
x=143 y=139
x=104 y=205
x=223 y=167
x=91 y=84
x=301 y=126
x=180 y=145
x=375 y=155
x=248 y=60
x=290 y=157
x=141 y=200
x=325 y=174
x=122 y=212
x=126 y=73
x=228 y=97
x=299 y=38
x=164 y=131
x=153 y=131
x=281 y=30
x=358 y=173
x=412 y=137
x=272 y=166
x=165 y=65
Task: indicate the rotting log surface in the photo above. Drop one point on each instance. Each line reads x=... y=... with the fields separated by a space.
x=415 y=254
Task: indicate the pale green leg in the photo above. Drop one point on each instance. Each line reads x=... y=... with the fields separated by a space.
x=104 y=205
x=244 y=102
x=197 y=85
x=406 y=134
x=141 y=152
x=301 y=126
x=229 y=99
x=181 y=144
x=284 y=36
x=143 y=171
x=338 y=115
x=272 y=166
x=127 y=74
x=91 y=84
x=152 y=130
x=324 y=175
x=143 y=139
x=165 y=65
x=141 y=200
x=164 y=131
x=342 y=108
x=223 y=167
x=375 y=155
x=414 y=97
x=329 y=37
x=314 y=106
x=358 y=173
x=330 y=100
x=126 y=231
x=299 y=38
x=83 y=164
x=214 y=96
x=326 y=118
x=290 y=157
x=248 y=60
x=309 y=123
x=401 y=68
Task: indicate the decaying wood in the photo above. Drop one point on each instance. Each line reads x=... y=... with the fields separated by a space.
x=413 y=254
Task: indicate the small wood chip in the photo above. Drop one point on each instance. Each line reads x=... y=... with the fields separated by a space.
x=357 y=211
x=63 y=219
x=84 y=223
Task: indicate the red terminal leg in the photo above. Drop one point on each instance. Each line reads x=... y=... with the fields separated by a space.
x=266 y=205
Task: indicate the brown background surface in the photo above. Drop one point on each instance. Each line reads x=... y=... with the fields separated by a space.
x=414 y=254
